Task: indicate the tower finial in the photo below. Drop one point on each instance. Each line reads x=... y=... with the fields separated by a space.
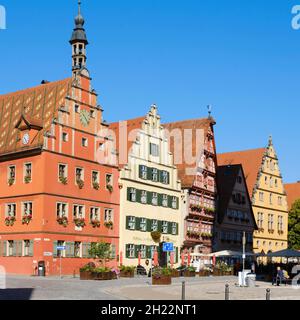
x=79 y=9
x=209 y=108
x=270 y=140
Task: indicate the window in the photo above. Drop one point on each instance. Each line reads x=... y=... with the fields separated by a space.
x=174 y=203
x=143 y=172
x=94 y=214
x=154 y=225
x=61 y=210
x=27 y=248
x=143 y=224
x=143 y=196
x=92 y=113
x=260 y=220
x=154 y=200
x=131 y=251
x=131 y=223
x=271 y=182
x=84 y=142
x=270 y=222
x=261 y=196
x=276 y=183
x=266 y=180
x=174 y=228
x=27 y=209
x=95 y=176
x=154 y=175
x=11 y=174
x=27 y=172
x=77 y=108
x=143 y=252
x=132 y=195
x=164 y=227
x=79 y=175
x=11 y=248
x=165 y=177
x=154 y=149
x=78 y=211
x=61 y=253
x=62 y=171
x=65 y=137
x=77 y=249
x=109 y=181
x=108 y=215
x=165 y=200
x=271 y=198
x=280 y=201
x=280 y=223
x=11 y=210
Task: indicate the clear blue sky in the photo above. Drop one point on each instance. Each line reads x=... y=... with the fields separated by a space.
x=241 y=56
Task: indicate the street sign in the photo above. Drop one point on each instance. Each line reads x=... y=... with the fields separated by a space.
x=168 y=247
x=61 y=248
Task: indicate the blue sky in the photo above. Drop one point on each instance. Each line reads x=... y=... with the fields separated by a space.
x=240 y=56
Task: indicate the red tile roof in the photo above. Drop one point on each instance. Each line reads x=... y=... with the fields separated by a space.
x=251 y=160
x=37 y=107
x=293 y=193
x=194 y=124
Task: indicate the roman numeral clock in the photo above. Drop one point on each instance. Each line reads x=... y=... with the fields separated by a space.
x=85 y=118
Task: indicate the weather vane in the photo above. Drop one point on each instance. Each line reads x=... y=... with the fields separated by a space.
x=209 y=108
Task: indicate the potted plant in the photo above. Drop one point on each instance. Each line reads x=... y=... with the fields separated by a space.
x=110 y=188
x=161 y=276
x=10 y=220
x=63 y=180
x=127 y=271
x=190 y=272
x=95 y=223
x=26 y=219
x=103 y=273
x=109 y=224
x=80 y=183
x=27 y=179
x=175 y=273
x=11 y=181
x=156 y=235
x=63 y=221
x=86 y=272
x=79 y=222
x=96 y=185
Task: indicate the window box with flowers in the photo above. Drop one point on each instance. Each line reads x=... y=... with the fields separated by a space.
x=63 y=180
x=206 y=235
x=10 y=221
x=96 y=185
x=95 y=223
x=26 y=219
x=63 y=221
x=11 y=181
x=109 y=224
x=79 y=222
x=27 y=179
x=80 y=183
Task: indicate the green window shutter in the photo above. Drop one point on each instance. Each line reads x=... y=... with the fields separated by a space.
x=127 y=222
x=113 y=251
x=148 y=252
x=55 y=249
x=127 y=251
x=4 y=250
x=30 y=251
x=128 y=194
x=149 y=173
x=138 y=196
x=149 y=197
x=160 y=198
x=168 y=179
x=177 y=203
x=176 y=255
x=177 y=229
x=159 y=223
x=136 y=250
x=160 y=176
x=170 y=227
x=137 y=223
x=14 y=251
x=149 y=225
x=19 y=245
x=170 y=201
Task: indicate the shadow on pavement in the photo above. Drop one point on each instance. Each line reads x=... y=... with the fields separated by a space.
x=16 y=294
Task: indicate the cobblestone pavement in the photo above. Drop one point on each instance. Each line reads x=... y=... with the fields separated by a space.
x=212 y=288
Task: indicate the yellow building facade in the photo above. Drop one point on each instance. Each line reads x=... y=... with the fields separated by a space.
x=268 y=196
x=150 y=191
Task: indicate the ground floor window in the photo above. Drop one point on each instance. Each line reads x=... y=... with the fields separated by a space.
x=77 y=249
x=143 y=250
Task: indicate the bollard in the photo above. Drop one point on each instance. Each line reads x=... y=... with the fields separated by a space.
x=183 y=291
x=74 y=274
x=268 y=294
x=227 y=292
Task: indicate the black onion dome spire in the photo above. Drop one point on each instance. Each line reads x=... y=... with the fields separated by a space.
x=79 y=34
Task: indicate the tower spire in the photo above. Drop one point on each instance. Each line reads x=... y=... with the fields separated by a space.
x=79 y=42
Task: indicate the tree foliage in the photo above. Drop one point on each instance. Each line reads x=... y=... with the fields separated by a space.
x=294 y=226
x=100 y=250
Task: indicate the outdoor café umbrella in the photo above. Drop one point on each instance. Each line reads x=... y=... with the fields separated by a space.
x=189 y=259
x=139 y=258
x=230 y=253
x=121 y=258
x=286 y=253
x=214 y=260
x=182 y=259
x=172 y=259
x=155 y=258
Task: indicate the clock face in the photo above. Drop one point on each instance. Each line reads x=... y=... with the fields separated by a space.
x=85 y=118
x=25 y=139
